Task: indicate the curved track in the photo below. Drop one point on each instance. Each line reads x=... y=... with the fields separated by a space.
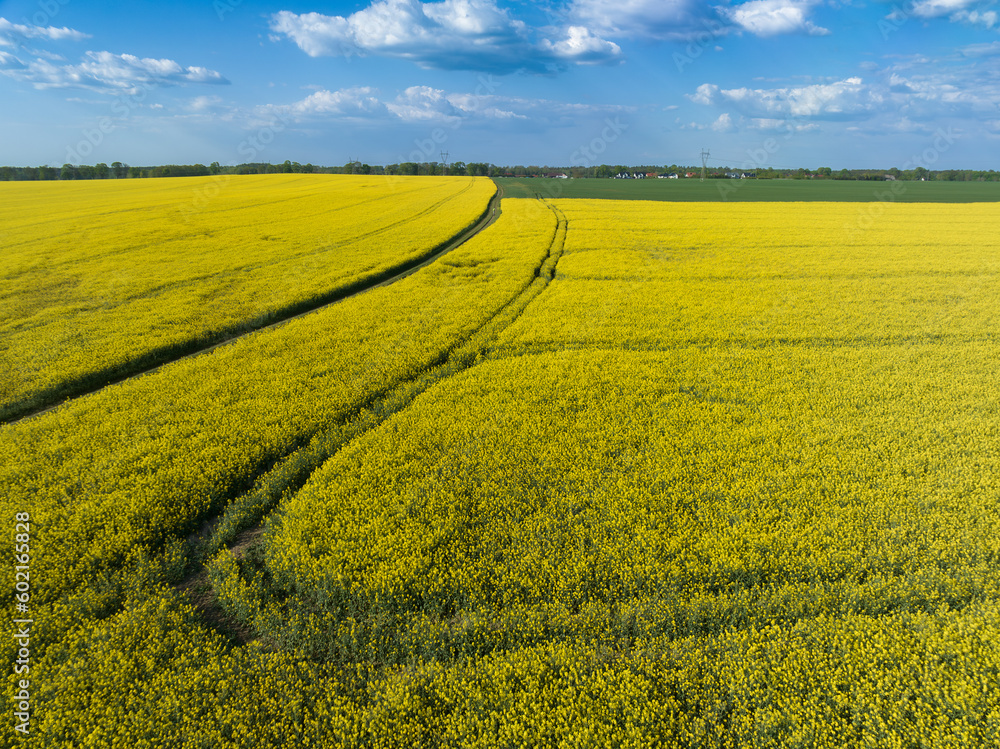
x=488 y=216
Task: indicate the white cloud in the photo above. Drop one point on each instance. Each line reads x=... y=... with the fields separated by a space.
x=724 y=124
x=824 y=101
x=938 y=8
x=705 y=94
x=450 y=34
x=987 y=18
x=981 y=50
x=959 y=11
x=421 y=103
x=204 y=103
x=679 y=20
x=428 y=105
x=108 y=73
x=910 y=96
x=583 y=47
x=927 y=88
x=659 y=19
x=9 y=62
x=785 y=126
x=772 y=17
x=13 y=34
x=359 y=102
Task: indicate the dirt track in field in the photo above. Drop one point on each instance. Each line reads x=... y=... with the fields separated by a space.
x=490 y=215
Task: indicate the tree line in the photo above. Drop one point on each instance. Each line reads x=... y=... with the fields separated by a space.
x=120 y=170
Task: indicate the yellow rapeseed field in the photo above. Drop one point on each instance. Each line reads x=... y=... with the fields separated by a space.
x=140 y=462
x=756 y=273
x=672 y=475
x=98 y=277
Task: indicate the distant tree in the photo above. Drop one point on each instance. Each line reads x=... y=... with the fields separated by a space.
x=215 y=167
x=119 y=169
x=101 y=171
x=286 y=168
x=68 y=172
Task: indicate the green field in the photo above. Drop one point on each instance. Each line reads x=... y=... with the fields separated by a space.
x=752 y=190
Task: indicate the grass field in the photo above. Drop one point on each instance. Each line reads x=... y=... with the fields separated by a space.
x=613 y=473
x=781 y=190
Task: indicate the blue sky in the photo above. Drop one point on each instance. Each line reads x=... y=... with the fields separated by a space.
x=782 y=83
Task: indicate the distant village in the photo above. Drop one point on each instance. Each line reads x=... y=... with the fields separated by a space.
x=646 y=175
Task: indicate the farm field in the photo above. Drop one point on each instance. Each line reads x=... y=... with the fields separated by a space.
x=752 y=190
x=609 y=474
x=105 y=279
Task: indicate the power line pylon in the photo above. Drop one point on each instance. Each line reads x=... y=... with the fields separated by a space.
x=704 y=162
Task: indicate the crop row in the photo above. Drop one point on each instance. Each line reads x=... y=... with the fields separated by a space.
x=734 y=538
x=613 y=240
x=105 y=279
x=143 y=462
x=610 y=495
x=152 y=676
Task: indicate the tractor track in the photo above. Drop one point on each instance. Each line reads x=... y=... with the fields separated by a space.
x=489 y=215
x=197 y=587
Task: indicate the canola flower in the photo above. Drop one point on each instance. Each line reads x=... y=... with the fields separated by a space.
x=142 y=462
x=152 y=675
x=778 y=532
x=758 y=273
x=101 y=275
x=610 y=495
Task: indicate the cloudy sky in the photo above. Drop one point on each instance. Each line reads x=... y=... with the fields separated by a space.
x=784 y=83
